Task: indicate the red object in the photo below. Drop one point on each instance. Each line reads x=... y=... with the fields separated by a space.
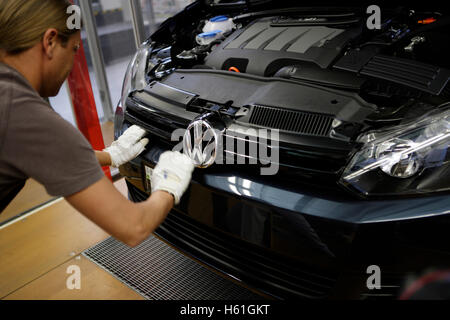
x=427 y=21
x=423 y=281
x=234 y=69
x=84 y=104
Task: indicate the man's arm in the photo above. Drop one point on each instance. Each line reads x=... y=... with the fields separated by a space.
x=103 y=158
x=128 y=222
x=131 y=222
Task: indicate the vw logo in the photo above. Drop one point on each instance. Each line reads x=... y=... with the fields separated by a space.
x=200 y=143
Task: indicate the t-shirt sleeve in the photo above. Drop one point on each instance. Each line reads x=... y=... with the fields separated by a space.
x=47 y=148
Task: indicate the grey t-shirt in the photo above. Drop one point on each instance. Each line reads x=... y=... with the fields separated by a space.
x=36 y=142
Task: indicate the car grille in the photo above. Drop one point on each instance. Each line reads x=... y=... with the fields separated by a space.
x=293 y=121
x=265 y=271
x=162 y=125
x=314 y=167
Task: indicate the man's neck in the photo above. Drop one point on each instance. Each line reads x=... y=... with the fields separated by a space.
x=25 y=63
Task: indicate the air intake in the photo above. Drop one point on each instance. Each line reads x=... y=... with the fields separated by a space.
x=158 y=272
x=417 y=75
x=293 y=121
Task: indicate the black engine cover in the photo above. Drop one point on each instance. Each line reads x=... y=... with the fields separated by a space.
x=264 y=47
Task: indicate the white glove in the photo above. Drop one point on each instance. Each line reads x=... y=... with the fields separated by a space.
x=172 y=174
x=128 y=146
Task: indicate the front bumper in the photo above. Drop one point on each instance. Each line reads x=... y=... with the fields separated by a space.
x=296 y=243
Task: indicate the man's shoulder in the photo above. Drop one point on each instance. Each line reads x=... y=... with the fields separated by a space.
x=12 y=78
x=18 y=92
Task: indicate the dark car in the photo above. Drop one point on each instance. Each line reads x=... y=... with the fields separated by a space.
x=321 y=137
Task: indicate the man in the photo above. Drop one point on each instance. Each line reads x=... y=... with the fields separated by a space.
x=37 y=51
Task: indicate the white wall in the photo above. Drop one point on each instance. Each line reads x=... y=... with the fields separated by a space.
x=111 y=4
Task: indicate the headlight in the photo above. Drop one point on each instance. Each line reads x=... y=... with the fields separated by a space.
x=135 y=77
x=409 y=159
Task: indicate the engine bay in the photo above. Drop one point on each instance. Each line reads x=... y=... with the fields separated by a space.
x=323 y=61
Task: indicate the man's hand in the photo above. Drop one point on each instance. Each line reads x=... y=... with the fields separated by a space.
x=172 y=174
x=129 y=145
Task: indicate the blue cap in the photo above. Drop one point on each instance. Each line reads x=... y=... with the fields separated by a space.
x=219 y=19
x=209 y=34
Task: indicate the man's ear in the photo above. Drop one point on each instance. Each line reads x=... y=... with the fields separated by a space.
x=49 y=41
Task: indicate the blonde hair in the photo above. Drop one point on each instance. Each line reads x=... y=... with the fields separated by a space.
x=24 y=22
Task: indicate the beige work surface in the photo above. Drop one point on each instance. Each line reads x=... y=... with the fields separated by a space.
x=95 y=284
x=35 y=253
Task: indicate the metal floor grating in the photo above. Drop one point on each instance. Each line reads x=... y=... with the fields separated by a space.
x=159 y=272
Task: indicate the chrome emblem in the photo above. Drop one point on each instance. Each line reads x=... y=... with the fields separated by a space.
x=200 y=143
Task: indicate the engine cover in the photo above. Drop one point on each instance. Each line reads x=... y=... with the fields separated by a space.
x=264 y=47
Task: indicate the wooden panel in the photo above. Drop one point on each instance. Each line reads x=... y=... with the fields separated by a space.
x=42 y=241
x=96 y=284
x=32 y=195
